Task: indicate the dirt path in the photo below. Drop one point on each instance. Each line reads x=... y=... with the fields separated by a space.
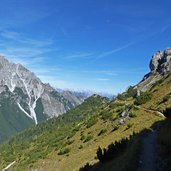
x=153 y=111
x=149 y=155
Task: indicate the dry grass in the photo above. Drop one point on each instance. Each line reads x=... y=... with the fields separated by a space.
x=78 y=157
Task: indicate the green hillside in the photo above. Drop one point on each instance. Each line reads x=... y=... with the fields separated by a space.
x=71 y=140
x=10 y=117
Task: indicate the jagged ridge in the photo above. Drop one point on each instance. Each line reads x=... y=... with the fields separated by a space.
x=32 y=97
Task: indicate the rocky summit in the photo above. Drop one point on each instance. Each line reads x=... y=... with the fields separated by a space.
x=161 y=62
x=26 y=94
x=160 y=65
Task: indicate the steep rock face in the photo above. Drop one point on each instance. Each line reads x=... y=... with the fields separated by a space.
x=160 y=62
x=160 y=65
x=31 y=96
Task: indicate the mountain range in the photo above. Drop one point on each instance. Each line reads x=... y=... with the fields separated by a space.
x=129 y=132
x=25 y=100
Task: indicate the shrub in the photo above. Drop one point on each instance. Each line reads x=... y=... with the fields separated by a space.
x=106 y=115
x=82 y=137
x=143 y=98
x=102 y=132
x=121 y=96
x=69 y=142
x=132 y=92
x=88 y=138
x=64 y=151
x=80 y=147
x=120 y=109
x=166 y=98
x=132 y=115
x=76 y=129
x=129 y=125
x=92 y=121
x=116 y=127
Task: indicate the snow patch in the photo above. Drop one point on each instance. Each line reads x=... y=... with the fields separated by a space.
x=11 y=164
x=12 y=85
x=23 y=110
x=32 y=100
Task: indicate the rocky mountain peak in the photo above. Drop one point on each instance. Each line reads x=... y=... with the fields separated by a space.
x=160 y=65
x=34 y=98
x=2 y=58
x=161 y=62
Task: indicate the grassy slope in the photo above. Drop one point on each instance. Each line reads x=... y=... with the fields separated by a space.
x=78 y=157
x=42 y=148
x=10 y=116
x=143 y=120
x=162 y=100
x=40 y=140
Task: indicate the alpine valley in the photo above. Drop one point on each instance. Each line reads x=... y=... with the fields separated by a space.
x=131 y=132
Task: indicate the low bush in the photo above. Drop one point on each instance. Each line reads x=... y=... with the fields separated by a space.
x=132 y=92
x=166 y=98
x=102 y=132
x=132 y=115
x=64 y=151
x=80 y=147
x=88 y=138
x=129 y=125
x=106 y=115
x=92 y=121
x=82 y=137
x=121 y=97
x=143 y=98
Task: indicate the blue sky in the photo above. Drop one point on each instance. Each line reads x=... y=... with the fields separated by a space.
x=98 y=45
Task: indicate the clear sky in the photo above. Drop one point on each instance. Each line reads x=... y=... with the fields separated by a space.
x=99 y=45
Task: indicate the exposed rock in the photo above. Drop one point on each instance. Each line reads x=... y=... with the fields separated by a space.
x=160 y=62
x=154 y=63
x=27 y=89
x=123 y=113
x=160 y=65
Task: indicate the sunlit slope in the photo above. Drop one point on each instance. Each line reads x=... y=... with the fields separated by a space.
x=75 y=136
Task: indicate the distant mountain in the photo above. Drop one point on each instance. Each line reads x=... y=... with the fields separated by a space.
x=76 y=93
x=87 y=93
x=82 y=93
x=25 y=100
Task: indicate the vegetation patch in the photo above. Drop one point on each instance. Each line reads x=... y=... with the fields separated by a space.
x=143 y=98
x=88 y=138
x=91 y=121
x=64 y=151
x=166 y=98
x=103 y=131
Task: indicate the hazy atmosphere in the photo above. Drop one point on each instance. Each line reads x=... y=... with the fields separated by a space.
x=88 y=44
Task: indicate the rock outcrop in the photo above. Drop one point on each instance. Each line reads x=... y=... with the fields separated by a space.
x=161 y=62
x=160 y=65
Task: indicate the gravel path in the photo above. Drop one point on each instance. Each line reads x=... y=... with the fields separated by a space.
x=149 y=155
